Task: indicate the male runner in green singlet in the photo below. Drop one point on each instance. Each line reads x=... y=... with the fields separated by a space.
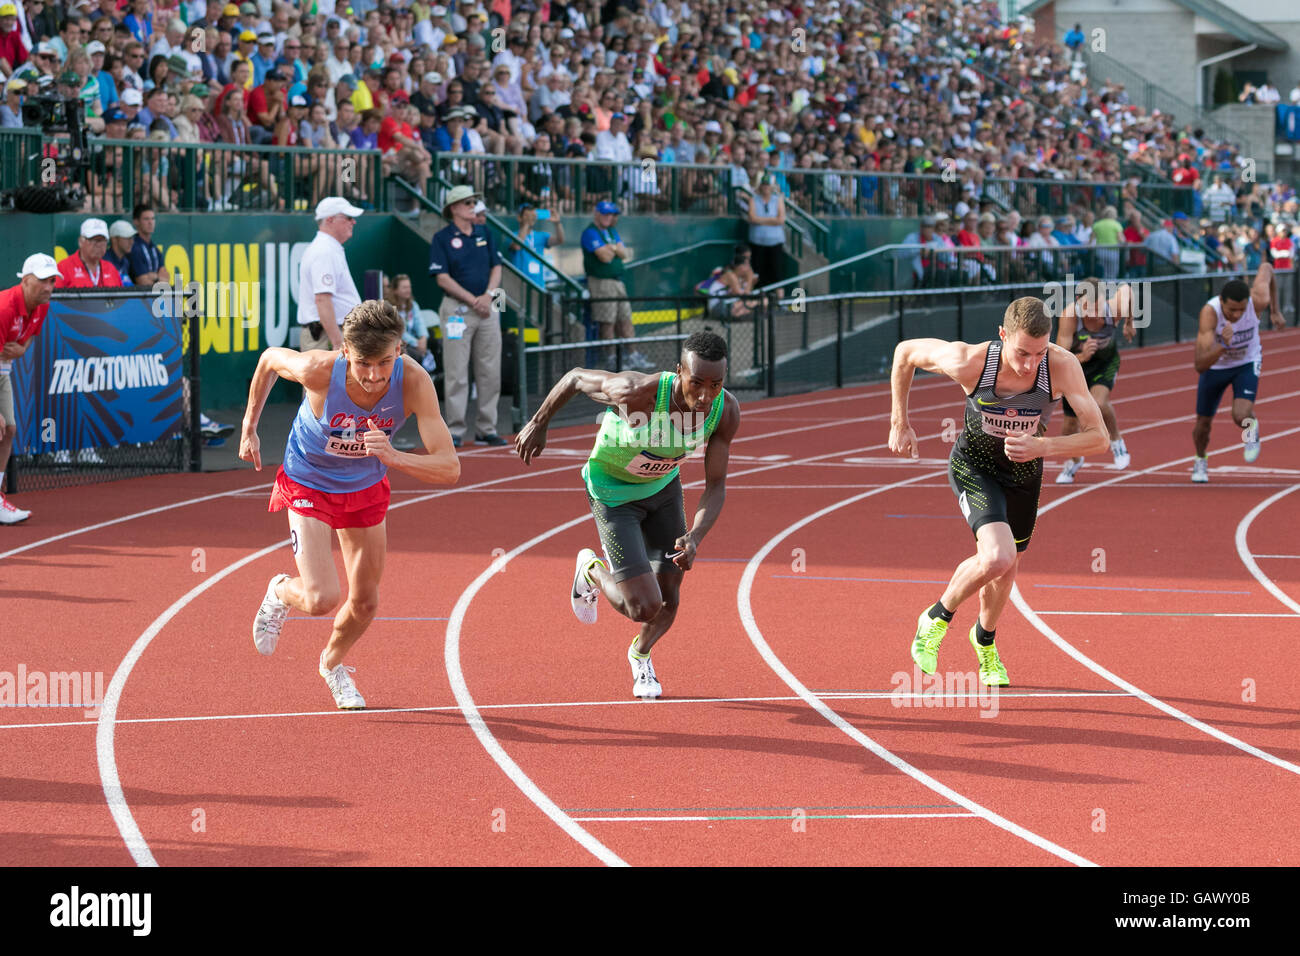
x=654 y=422
x=996 y=467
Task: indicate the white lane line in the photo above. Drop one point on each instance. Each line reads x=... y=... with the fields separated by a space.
x=105 y=751
x=743 y=602
x=1277 y=555
x=234 y=492
x=545 y=705
x=1163 y=614
x=1243 y=551
x=1034 y=619
x=786 y=817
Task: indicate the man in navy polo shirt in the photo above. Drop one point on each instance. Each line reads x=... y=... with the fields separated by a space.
x=146 y=259
x=463 y=260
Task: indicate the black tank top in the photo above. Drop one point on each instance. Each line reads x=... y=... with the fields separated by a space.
x=1107 y=342
x=990 y=419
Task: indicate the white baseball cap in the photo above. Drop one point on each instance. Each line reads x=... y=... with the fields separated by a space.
x=94 y=227
x=132 y=97
x=336 y=206
x=93 y=47
x=121 y=229
x=433 y=77
x=39 y=265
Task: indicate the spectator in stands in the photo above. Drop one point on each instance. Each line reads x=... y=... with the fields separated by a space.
x=326 y=292
x=13 y=52
x=11 y=111
x=539 y=241
x=765 y=215
x=403 y=149
x=1107 y=231
x=1135 y=234
x=1043 y=238
x=463 y=259
x=147 y=265
x=1163 y=242
x=1282 y=249
x=86 y=267
x=1219 y=199
x=267 y=105
x=22 y=313
x=121 y=236
x=1074 y=41
x=416 y=337
x=920 y=260
x=729 y=287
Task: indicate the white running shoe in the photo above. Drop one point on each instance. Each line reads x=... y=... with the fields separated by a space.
x=583 y=595
x=1201 y=470
x=1119 y=451
x=89 y=456
x=1250 y=439
x=1072 y=466
x=341 y=686
x=11 y=514
x=270 y=618
x=644 y=683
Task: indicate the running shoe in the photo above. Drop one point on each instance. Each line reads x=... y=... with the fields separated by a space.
x=1071 y=468
x=341 y=686
x=992 y=671
x=1201 y=470
x=1250 y=440
x=211 y=429
x=11 y=514
x=644 y=682
x=1119 y=451
x=584 y=593
x=925 y=646
x=492 y=438
x=270 y=618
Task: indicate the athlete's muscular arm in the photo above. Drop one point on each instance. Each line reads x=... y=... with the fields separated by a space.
x=959 y=361
x=1069 y=324
x=1092 y=437
x=439 y=466
x=1122 y=308
x=717 y=455
x=630 y=392
x=311 y=370
x=1208 y=346
x=1264 y=295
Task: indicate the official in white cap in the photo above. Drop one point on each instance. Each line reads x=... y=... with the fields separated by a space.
x=86 y=268
x=22 y=312
x=121 y=237
x=326 y=292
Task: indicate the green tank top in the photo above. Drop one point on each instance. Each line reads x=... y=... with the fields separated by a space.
x=635 y=460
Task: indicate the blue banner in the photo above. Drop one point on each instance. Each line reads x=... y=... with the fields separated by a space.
x=103 y=371
x=1288 y=122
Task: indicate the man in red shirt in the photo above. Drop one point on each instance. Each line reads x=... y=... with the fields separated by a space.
x=22 y=312
x=267 y=104
x=402 y=146
x=1280 y=246
x=86 y=268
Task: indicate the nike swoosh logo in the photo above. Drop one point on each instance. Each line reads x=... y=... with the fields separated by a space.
x=982 y=402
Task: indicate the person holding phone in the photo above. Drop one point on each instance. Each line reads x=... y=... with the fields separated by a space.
x=653 y=423
x=539 y=241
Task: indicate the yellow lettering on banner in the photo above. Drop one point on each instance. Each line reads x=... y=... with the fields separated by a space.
x=214 y=331
x=60 y=254
x=246 y=303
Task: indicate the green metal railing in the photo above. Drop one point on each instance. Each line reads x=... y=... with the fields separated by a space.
x=203 y=177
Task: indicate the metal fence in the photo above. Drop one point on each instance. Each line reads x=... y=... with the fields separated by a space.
x=573 y=186
x=107 y=460
x=782 y=347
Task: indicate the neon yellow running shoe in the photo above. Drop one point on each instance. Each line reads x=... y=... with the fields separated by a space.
x=992 y=672
x=925 y=646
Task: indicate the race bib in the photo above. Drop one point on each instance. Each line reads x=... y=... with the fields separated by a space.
x=647 y=465
x=350 y=447
x=1004 y=422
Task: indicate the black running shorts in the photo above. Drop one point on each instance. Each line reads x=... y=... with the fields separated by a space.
x=984 y=499
x=1096 y=371
x=638 y=536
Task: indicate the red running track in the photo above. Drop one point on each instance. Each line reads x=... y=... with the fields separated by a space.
x=1152 y=718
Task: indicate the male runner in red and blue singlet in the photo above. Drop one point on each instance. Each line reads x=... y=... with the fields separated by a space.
x=335 y=475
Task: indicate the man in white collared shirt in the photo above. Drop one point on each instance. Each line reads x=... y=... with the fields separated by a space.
x=326 y=292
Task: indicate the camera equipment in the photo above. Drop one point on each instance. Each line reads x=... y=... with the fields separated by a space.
x=60 y=187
